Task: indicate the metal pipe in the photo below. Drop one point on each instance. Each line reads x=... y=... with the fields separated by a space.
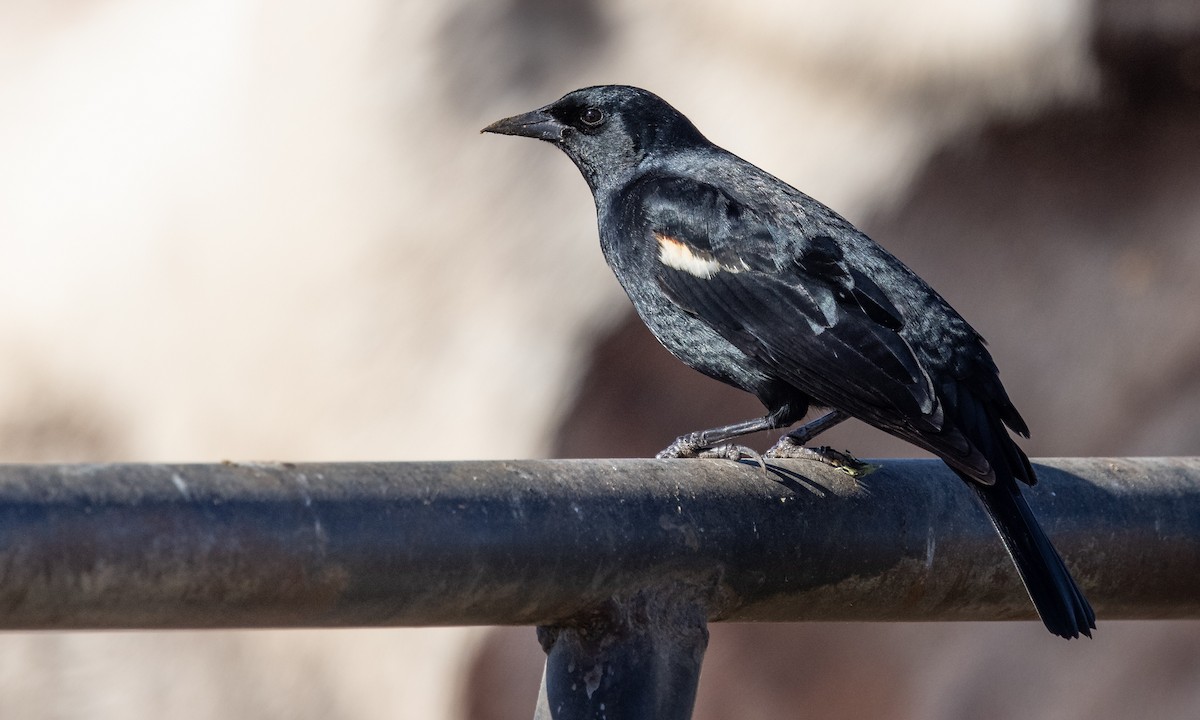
x=548 y=542
x=638 y=658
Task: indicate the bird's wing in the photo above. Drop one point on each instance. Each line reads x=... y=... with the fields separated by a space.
x=798 y=307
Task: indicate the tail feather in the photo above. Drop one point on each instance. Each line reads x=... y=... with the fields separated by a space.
x=1059 y=601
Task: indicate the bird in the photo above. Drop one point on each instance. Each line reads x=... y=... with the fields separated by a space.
x=753 y=283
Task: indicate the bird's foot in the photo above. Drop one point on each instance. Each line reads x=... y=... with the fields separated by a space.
x=689 y=446
x=735 y=453
x=844 y=461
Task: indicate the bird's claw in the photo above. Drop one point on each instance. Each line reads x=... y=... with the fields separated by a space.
x=736 y=453
x=844 y=461
x=688 y=447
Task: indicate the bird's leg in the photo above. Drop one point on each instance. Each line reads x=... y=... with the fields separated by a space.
x=799 y=437
x=704 y=443
x=792 y=445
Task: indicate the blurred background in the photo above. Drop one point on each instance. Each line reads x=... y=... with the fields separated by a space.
x=264 y=230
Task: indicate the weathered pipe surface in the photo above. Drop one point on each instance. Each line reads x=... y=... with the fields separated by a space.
x=545 y=542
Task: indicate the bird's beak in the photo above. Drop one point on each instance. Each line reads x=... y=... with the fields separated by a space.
x=535 y=124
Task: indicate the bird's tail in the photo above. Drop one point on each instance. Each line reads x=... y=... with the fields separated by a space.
x=1058 y=600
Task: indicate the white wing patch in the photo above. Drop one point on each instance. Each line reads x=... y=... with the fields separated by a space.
x=677 y=255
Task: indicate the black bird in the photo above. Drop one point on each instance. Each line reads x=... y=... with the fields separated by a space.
x=756 y=284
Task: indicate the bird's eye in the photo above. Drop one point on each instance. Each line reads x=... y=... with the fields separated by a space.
x=592 y=117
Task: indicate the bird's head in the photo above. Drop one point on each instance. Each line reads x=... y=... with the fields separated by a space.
x=608 y=130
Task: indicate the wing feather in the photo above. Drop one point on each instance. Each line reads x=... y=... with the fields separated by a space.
x=805 y=312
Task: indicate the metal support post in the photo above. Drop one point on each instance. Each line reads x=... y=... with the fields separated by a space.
x=638 y=658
